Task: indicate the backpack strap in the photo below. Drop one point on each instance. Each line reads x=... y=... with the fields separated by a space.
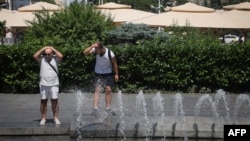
x=109 y=54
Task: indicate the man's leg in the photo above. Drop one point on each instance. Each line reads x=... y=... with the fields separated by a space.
x=55 y=108
x=43 y=104
x=54 y=103
x=43 y=108
x=98 y=86
x=96 y=96
x=109 y=81
x=108 y=97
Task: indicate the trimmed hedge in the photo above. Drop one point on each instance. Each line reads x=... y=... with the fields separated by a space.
x=175 y=65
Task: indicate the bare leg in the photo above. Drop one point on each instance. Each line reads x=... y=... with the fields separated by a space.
x=108 y=97
x=43 y=108
x=97 y=95
x=55 y=108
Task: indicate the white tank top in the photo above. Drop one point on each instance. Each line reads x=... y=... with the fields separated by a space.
x=103 y=64
x=48 y=77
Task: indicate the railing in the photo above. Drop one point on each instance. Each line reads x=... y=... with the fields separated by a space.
x=8 y=41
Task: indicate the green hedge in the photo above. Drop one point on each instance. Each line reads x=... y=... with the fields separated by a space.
x=181 y=67
x=171 y=66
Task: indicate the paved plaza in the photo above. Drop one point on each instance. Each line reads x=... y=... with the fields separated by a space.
x=137 y=115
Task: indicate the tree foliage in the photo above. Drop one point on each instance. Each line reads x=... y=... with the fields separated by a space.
x=183 y=61
x=74 y=26
x=133 y=34
x=175 y=62
x=2 y=31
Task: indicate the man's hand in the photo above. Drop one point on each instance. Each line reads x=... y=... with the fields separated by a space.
x=95 y=45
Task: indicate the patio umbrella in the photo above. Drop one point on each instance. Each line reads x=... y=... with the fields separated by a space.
x=39 y=6
x=15 y=18
x=239 y=16
x=112 y=5
x=124 y=15
x=191 y=7
x=200 y=20
x=240 y=6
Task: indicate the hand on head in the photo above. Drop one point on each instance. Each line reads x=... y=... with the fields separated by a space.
x=48 y=50
x=48 y=47
x=96 y=45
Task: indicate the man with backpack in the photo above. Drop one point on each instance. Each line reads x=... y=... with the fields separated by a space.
x=106 y=72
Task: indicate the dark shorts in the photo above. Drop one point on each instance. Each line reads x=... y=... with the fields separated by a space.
x=104 y=79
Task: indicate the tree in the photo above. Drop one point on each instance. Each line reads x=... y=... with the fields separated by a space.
x=133 y=34
x=216 y=4
x=74 y=26
x=2 y=30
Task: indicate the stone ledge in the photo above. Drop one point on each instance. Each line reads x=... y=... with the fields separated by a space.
x=32 y=128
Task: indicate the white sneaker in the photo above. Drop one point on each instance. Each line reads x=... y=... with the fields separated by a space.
x=57 y=121
x=42 y=122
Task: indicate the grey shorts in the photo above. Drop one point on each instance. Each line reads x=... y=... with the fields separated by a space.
x=104 y=80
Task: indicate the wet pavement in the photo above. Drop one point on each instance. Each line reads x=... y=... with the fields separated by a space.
x=148 y=115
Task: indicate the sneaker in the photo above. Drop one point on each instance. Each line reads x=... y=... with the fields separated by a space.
x=94 y=111
x=57 y=121
x=42 y=122
x=109 y=111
